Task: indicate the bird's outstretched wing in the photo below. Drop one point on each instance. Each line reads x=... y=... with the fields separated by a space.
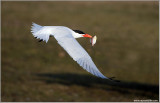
x=72 y=47
x=41 y=32
x=75 y=50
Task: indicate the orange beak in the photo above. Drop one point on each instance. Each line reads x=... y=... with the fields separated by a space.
x=87 y=35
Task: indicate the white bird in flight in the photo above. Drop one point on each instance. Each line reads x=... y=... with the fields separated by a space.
x=66 y=38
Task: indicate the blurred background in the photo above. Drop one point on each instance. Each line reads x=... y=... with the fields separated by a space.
x=127 y=48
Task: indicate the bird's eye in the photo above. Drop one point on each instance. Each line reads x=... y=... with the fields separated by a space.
x=79 y=31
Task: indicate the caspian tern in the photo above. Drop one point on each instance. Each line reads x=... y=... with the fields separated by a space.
x=66 y=38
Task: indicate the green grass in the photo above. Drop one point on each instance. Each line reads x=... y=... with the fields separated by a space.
x=127 y=48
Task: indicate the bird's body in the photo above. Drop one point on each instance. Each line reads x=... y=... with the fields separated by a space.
x=66 y=38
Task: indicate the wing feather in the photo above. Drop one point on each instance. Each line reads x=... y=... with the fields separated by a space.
x=75 y=50
x=41 y=32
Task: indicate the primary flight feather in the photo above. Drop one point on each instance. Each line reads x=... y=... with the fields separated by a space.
x=66 y=38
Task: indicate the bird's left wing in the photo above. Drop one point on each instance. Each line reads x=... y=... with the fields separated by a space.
x=77 y=52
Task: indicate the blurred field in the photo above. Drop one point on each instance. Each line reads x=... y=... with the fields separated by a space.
x=127 y=48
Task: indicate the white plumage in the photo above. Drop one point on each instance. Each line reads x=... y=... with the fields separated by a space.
x=66 y=38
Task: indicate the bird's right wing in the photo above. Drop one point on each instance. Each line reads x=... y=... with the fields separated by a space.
x=41 y=32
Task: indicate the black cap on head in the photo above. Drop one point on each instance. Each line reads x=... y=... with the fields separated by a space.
x=78 y=31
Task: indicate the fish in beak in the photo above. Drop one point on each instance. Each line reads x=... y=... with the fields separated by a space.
x=93 y=40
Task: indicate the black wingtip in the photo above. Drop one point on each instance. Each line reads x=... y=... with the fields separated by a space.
x=40 y=40
x=112 y=79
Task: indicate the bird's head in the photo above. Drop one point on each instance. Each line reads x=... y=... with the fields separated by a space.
x=79 y=34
